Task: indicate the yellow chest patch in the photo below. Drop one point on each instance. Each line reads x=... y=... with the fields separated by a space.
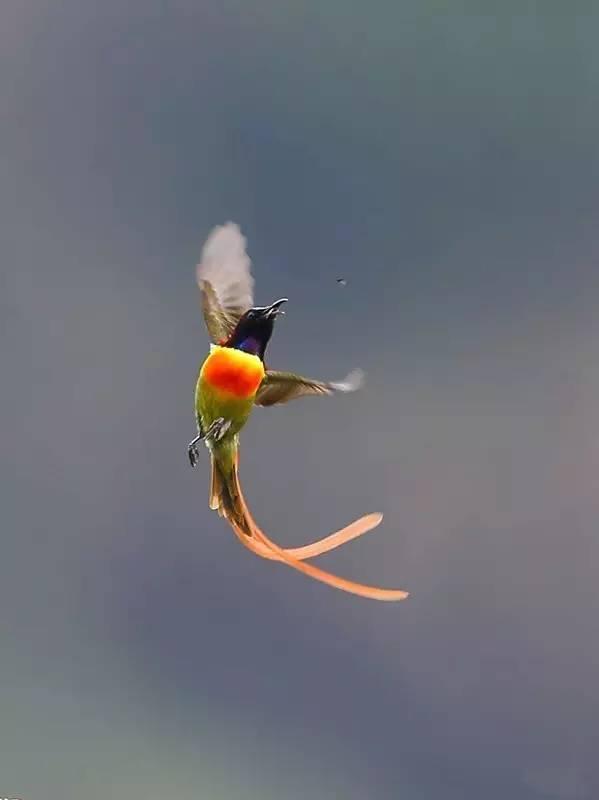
x=232 y=371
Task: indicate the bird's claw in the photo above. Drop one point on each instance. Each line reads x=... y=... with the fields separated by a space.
x=193 y=453
x=214 y=433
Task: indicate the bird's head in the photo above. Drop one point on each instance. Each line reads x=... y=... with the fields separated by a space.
x=254 y=329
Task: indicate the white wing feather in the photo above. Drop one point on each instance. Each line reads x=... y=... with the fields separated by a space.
x=351 y=382
x=226 y=266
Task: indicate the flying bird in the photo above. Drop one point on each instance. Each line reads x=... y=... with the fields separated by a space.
x=232 y=380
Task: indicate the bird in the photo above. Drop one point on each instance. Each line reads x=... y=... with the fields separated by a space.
x=232 y=380
x=342 y=281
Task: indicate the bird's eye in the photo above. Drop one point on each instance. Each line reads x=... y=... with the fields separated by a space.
x=251 y=315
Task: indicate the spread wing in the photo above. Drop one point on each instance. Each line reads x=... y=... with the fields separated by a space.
x=225 y=280
x=280 y=387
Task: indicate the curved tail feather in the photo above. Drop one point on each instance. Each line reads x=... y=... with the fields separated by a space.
x=227 y=498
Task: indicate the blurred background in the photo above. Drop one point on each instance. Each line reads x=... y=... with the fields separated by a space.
x=445 y=162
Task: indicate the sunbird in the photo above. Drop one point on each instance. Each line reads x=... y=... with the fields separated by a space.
x=232 y=380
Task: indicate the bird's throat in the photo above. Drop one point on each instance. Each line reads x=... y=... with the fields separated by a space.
x=251 y=345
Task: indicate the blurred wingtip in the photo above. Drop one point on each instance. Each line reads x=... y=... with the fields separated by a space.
x=228 y=228
x=351 y=383
x=222 y=240
x=225 y=263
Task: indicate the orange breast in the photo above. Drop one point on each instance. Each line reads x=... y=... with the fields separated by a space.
x=233 y=371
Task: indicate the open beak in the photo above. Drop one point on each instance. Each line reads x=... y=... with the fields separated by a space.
x=272 y=311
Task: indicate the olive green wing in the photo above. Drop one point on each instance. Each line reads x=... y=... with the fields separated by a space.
x=225 y=280
x=280 y=387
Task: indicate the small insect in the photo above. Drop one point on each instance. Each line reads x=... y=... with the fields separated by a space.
x=341 y=281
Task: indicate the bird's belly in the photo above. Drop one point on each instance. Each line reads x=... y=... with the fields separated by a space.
x=211 y=405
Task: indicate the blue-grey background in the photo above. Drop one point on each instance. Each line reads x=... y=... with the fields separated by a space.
x=443 y=158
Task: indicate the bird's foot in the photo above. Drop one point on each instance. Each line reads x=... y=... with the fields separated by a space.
x=192 y=450
x=214 y=433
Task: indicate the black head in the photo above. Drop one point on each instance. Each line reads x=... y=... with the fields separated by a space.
x=254 y=329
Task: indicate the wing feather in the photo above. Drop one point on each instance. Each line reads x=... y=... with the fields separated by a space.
x=225 y=280
x=280 y=387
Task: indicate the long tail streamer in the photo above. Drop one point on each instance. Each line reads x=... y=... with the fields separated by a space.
x=228 y=499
